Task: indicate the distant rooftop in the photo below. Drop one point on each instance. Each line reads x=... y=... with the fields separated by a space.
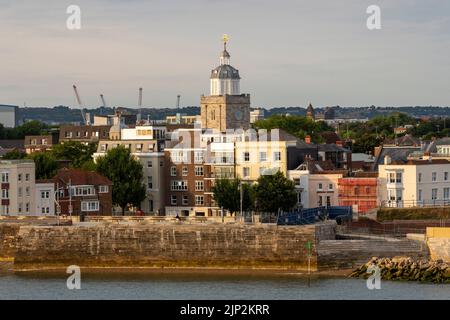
x=18 y=161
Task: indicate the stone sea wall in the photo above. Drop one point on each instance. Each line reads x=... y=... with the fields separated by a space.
x=439 y=248
x=8 y=234
x=230 y=246
x=345 y=254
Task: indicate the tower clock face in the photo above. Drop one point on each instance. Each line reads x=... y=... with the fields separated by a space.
x=238 y=115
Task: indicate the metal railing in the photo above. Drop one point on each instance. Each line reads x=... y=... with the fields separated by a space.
x=415 y=203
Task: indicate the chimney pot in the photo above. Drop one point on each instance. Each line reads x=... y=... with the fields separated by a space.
x=308 y=139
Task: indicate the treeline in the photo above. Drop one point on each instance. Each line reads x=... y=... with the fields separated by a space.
x=365 y=135
x=64 y=114
x=27 y=129
x=298 y=126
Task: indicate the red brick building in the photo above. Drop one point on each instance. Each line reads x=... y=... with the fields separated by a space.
x=187 y=178
x=86 y=192
x=359 y=192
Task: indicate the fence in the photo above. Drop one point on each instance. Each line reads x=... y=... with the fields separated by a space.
x=415 y=203
x=395 y=228
x=312 y=215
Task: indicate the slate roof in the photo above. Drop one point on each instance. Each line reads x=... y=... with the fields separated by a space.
x=443 y=142
x=331 y=147
x=12 y=144
x=225 y=71
x=81 y=177
x=406 y=140
x=397 y=154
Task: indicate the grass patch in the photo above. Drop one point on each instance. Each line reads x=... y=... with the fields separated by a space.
x=387 y=214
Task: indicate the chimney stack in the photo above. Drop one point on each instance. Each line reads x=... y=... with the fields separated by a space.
x=308 y=139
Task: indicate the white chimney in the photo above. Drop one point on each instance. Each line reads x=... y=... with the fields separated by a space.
x=387 y=159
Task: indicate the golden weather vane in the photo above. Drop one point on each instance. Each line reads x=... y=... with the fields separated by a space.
x=225 y=39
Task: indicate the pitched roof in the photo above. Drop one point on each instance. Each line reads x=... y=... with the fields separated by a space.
x=81 y=177
x=315 y=166
x=397 y=154
x=443 y=142
x=331 y=147
x=10 y=144
x=405 y=141
x=330 y=136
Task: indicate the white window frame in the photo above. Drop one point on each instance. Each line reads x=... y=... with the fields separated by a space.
x=263 y=156
x=178 y=185
x=199 y=171
x=5 y=177
x=277 y=156
x=82 y=191
x=199 y=200
x=5 y=193
x=446 y=193
x=198 y=156
x=45 y=194
x=199 y=185
x=149 y=182
x=103 y=189
x=90 y=206
x=434 y=194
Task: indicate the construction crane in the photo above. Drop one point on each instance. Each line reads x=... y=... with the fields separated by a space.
x=103 y=100
x=79 y=103
x=140 y=105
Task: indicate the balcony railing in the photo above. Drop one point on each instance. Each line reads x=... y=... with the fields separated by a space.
x=415 y=203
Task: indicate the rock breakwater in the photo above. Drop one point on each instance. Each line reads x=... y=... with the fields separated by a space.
x=406 y=269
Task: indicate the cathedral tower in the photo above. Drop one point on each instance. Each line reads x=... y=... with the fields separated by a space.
x=225 y=107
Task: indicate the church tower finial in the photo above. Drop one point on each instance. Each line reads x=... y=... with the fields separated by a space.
x=225 y=56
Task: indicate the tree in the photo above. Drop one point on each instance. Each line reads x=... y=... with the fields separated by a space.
x=45 y=164
x=28 y=128
x=80 y=155
x=227 y=194
x=298 y=126
x=14 y=155
x=275 y=192
x=125 y=172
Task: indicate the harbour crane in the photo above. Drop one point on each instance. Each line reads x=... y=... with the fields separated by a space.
x=79 y=103
x=139 y=116
x=140 y=103
x=103 y=100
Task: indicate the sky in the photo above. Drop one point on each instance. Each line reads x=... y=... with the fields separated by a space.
x=289 y=53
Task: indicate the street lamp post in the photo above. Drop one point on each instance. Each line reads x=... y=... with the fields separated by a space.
x=241 y=196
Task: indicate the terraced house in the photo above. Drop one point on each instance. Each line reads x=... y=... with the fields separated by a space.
x=146 y=144
x=80 y=193
x=188 y=176
x=414 y=183
x=17 y=187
